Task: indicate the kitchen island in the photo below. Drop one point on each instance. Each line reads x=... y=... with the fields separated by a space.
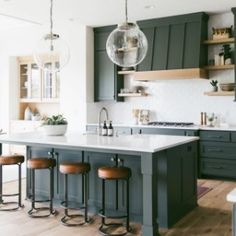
x=164 y=173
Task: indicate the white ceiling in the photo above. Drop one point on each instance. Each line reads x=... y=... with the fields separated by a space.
x=103 y=12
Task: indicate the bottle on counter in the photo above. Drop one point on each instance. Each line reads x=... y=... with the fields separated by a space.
x=104 y=129
x=110 y=129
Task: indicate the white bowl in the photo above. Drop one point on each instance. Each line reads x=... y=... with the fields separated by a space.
x=54 y=130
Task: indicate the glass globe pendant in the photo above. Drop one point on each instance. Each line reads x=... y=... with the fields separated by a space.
x=50 y=49
x=127 y=45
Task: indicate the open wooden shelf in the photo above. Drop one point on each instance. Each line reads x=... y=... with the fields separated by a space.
x=190 y=73
x=132 y=94
x=220 y=93
x=126 y=72
x=218 y=41
x=35 y=100
x=221 y=67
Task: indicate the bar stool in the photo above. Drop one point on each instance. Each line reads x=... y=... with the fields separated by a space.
x=12 y=160
x=38 y=164
x=83 y=169
x=114 y=173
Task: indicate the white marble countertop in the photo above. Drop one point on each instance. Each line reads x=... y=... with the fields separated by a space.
x=134 y=143
x=191 y=127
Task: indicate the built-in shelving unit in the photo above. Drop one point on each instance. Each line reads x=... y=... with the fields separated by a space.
x=219 y=67
x=132 y=94
x=218 y=41
x=220 y=93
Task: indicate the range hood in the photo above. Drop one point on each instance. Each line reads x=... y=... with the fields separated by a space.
x=176 y=49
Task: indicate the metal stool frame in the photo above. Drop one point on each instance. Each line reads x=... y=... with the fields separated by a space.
x=35 y=209
x=65 y=204
x=105 y=226
x=19 y=204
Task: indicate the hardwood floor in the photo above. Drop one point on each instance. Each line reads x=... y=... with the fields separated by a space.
x=211 y=218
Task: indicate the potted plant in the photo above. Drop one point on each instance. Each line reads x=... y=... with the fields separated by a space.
x=214 y=85
x=55 y=125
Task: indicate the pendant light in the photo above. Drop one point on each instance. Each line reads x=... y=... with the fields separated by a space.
x=51 y=48
x=127 y=45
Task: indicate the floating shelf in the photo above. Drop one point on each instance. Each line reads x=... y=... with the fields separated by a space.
x=192 y=73
x=218 y=41
x=220 y=93
x=127 y=72
x=132 y=94
x=223 y=67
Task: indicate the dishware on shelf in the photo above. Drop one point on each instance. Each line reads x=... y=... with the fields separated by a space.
x=227 y=86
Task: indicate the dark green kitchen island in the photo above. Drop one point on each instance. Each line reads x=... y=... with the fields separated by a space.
x=163 y=185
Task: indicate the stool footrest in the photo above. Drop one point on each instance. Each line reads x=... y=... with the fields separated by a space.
x=35 y=210
x=9 y=195
x=103 y=230
x=10 y=203
x=65 y=220
x=111 y=216
x=72 y=205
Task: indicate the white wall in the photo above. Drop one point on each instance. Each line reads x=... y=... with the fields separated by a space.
x=176 y=100
x=21 y=42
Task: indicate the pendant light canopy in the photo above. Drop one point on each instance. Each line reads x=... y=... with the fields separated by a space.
x=51 y=48
x=127 y=45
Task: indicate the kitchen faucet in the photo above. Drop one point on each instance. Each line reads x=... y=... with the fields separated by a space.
x=99 y=119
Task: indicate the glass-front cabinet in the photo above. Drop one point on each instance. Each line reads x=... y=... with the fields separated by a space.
x=37 y=85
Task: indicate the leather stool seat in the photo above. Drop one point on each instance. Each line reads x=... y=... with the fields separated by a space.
x=114 y=173
x=11 y=159
x=74 y=168
x=41 y=163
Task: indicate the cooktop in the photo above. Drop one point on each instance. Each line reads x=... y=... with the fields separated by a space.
x=175 y=124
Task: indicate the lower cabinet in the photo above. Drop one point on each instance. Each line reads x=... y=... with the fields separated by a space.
x=217 y=154
x=176 y=181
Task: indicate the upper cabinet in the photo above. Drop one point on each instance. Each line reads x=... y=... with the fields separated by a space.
x=175 y=42
x=37 y=85
x=107 y=84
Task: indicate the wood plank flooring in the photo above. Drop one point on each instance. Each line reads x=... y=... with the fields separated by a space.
x=211 y=218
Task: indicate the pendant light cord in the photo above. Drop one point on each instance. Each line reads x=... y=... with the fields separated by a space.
x=51 y=25
x=126 y=11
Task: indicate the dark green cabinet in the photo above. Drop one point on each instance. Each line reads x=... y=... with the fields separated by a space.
x=175 y=42
x=218 y=154
x=107 y=83
x=176 y=181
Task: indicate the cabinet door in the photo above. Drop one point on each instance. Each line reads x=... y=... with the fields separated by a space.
x=74 y=181
x=105 y=74
x=42 y=183
x=50 y=82
x=35 y=81
x=146 y=64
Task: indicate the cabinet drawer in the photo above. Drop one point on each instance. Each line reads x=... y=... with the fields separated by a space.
x=218 y=150
x=221 y=136
x=122 y=130
x=220 y=168
x=233 y=137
